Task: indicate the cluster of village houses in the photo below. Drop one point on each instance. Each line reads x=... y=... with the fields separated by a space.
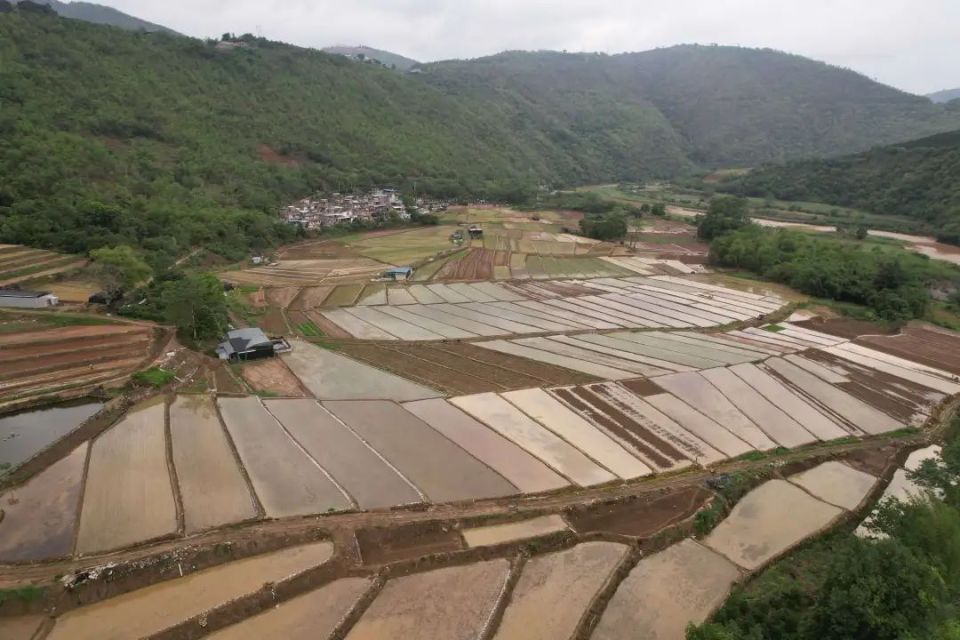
x=319 y=211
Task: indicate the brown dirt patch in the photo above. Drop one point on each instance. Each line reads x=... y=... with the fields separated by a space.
x=273 y=376
x=274 y=322
x=316 y=249
x=225 y=382
x=873 y=461
x=310 y=297
x=549 y=374
x=327 y=327
x=932 y=348
x=271 y=156
x=640 y=517
x=407 y=542
x=643 y=387
x=281 y=296
x=844 y=327
x=476 y=264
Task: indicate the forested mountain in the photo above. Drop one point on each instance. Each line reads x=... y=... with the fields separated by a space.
x=729 y=105
x=100 y=14
x=918 y=179
x=116 y=137
x=386 y=58
x=945 y=96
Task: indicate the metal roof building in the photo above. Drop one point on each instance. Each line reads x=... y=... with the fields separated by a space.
x=24 y=299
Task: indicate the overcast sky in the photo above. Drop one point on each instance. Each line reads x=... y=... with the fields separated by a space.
x=910 y=44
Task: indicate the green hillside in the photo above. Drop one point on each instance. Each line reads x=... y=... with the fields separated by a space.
x=166 y=142
x=386 y=58
x=918 y=179
x=729 y=106
x=100 y=14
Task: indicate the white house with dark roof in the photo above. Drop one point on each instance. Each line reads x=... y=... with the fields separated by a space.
x=25 y=299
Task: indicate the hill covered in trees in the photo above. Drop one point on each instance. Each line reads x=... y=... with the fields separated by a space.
x=917 y=179
x=162 y=142
x=100 y=14
x=386 y=58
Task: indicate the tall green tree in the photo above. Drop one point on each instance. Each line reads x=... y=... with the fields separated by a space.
x=196 y=305
x=119 y=268
x=725 y=214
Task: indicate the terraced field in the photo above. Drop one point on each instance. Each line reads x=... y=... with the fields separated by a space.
x=19 y=264
x=48 y=358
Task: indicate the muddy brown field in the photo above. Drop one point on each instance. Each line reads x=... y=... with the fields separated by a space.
x=642 y=517
x=384 y=545
x=459 y=368
x=272 y=376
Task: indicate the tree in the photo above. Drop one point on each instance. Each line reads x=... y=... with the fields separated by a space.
x=659 y=209
x=725 y=214
x=119 y=268
x=611 y=226
x=196 y=305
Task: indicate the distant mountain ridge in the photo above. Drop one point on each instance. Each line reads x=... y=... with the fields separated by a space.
x=386 y=58
x=100 y=14
x=945 y=96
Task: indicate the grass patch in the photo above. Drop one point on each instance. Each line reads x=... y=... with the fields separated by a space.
x=154 y=377
x=22 y=594
x=773 y=328
x=309 y=329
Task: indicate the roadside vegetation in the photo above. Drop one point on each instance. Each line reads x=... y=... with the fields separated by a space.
x=903 y=586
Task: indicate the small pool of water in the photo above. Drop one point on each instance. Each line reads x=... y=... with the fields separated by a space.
x=24 y=434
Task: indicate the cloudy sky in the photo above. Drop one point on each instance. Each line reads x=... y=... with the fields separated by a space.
x=910 y=44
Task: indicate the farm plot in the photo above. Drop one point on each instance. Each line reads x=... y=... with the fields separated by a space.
x=512 y=531
x=512 y=423
x=406 y=247
x=150 y=610
x=331 y=376
x=128 y=496
x=307 y=272
x=440 y=469
x=767 y=522
x=272 y=376
x=39 y=518
x=19 y=264
x=924 y=345
x=836 y=483
x=286 y=480
x=362 y=473
x=555 y=590
x=48 y=359
x=212 y=487
x=640 y=518
x=27 y=433
x=559 y=306
x=516 y=465
x=435 y=604
x=384 y=545
x=475 y=264
x=312 y=615
x=667 y=591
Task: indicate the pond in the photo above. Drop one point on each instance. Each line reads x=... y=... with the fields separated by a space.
x=24 y=434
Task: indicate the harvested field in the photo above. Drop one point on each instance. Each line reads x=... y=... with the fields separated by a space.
x=312 y=615
x=406 y=542
x=286 y=480
x=500 y=454
x=150 y=610
x=513 y=424
x=78 y=291
x=406 y=247
x=836 y=483
x=681 y=585
x=40 y=518
x=476 y=264
x=212 y=487
x=128 y=496
x=513 y=531
x=27 y=433
x=555 y=590
x=330 y=376
x=934 y=348
x=443 y=471
x=769 y=521
x=272 y=376
x=19 y=264
x=640 y=518
x=311 y=297
x=433 y=605
x=307 y=272
x=363 y=474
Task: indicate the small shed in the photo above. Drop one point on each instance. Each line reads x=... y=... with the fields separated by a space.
x=250 y=344
x=25 y=299
x=475 y=231
x=398 y=273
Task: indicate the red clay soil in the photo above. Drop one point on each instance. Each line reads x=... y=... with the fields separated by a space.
x=36 y=366
x=65 y=333
x=406 y=542
x=52 y=349
x=271 y=156
x=273 y=376
x=477 y=264
x=641 y=517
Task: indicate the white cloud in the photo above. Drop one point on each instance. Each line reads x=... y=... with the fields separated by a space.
x=910 y=44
